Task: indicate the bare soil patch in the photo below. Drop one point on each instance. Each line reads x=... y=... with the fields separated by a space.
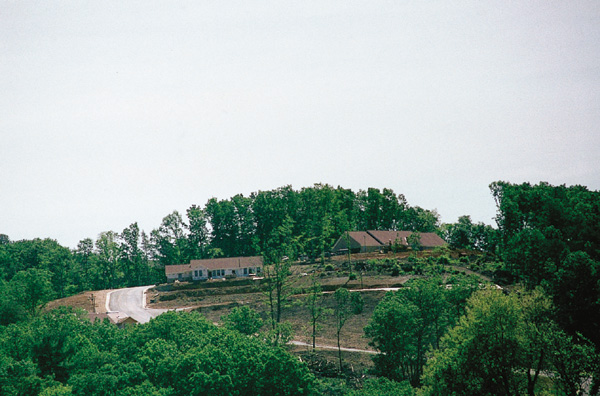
x=91 y=301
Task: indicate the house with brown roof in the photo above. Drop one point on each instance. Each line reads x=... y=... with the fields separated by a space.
x=374 y=241
x=120 y=319
x=215 y=268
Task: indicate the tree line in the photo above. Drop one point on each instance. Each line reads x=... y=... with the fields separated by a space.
x=313 y=217
x=546 y=330
x=452 y=339
x=62 y=353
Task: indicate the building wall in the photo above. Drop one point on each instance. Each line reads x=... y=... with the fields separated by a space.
x=182 y=276
x=205 y=273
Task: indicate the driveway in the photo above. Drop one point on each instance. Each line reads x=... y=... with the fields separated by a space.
x=132 y=301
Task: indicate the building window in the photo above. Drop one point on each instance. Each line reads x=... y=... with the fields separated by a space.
x=245 y=271
x=200 y=273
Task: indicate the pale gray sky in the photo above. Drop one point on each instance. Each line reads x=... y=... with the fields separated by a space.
x=119 y=111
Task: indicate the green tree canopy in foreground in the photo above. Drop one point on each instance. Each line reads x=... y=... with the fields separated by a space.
x=502 y=346
x=410 y=321
x=174 y=354
x=550 y=237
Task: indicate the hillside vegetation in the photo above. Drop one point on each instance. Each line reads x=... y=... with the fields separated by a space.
x=442 y=333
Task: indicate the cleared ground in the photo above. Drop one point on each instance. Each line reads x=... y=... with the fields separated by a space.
x=217 y=298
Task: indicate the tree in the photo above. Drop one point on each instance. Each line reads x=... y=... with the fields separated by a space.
x=133 y=260
x=316 y=219
x=243 y=319
x=34 y=288
x=422 y=220
x=11 y=309
x=58 y=261
x=246 y=240
x=271 y=209
x=576 y=294
x=314 y=304
x=169 y=240
x=280 y=246
x=221 y=216
x=414 y=241
x=197 y=238
x=550 y=236
x=502 y=345
x=404 y=325
x=85 y=262
x=108 y=272
x=479 y=355
x=346 y=305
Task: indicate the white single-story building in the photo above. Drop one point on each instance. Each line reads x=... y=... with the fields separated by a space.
x=215 y=268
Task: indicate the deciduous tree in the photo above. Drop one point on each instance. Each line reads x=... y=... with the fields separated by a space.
x=346 y=305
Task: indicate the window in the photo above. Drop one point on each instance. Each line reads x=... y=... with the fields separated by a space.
x=196 y=274
x=245 y=271
x=200 y=273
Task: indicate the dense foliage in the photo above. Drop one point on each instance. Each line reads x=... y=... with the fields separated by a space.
x=312 y=218
x=440 y=333
x=406 y=324
x=174 y=354
x=466 y=235
x=550 y=236
x=548 y=243
x=503 y=346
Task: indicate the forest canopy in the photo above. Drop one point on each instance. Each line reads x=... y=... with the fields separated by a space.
x=439 y=333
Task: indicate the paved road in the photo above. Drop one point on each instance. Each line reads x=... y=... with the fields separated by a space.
x=133 y=302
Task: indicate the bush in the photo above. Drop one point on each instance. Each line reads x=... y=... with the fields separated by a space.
x=444 y=260
x=352 y=276
x=407 y=267
x=167 y=297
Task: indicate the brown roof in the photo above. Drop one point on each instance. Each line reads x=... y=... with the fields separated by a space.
x=177 y=269
x=431 y=239
x=363 y=238
x=227 y=263
x=114 y=317
x=387 y=237
x=428 y=239
x=381 y=238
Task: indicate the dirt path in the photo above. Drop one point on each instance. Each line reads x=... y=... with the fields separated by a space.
x=300 y=343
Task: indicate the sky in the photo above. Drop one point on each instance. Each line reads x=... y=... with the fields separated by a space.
x=117 y=112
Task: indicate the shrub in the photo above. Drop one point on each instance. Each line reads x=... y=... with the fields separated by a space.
x=444 y=260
